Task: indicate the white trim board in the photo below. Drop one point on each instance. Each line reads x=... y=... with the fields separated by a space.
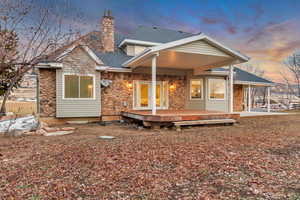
x=253 y=83
x=112 y=69
x=138 y=42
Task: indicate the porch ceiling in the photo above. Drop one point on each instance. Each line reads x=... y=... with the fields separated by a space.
x=182 y=60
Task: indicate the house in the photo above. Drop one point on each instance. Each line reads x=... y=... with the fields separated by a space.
x=151 y=72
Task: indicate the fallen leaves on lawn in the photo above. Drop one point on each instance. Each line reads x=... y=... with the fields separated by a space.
x=257 y=159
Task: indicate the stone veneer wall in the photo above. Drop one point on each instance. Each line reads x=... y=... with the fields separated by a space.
x=238 y=98
x=118 y=97
x=47 y=78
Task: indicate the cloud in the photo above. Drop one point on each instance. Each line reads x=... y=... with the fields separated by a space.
x=275 y=42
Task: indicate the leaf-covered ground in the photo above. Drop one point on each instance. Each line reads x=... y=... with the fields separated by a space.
x=256 y=159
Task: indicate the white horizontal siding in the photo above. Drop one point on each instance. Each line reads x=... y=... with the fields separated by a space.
x=200 y=47
x=77 y=108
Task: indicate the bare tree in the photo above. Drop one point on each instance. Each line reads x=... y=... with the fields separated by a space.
x=40 y=30
x=292 y=64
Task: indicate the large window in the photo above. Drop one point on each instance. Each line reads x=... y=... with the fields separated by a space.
x=79 y=86
x=142 y=95
x=217 y=89
x=196 y=89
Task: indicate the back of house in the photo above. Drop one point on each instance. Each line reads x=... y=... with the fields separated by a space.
x=152 y=70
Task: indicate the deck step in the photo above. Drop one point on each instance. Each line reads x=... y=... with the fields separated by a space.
x=202 y=122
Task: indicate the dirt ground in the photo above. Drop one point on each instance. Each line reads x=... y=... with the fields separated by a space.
x=256 y=159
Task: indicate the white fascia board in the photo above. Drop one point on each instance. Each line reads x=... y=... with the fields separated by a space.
x=112 y=69
x=138 y=42
x=49 y=65
x=86 y=48
x=92 y=54
x=254 y=83
x=218 y=44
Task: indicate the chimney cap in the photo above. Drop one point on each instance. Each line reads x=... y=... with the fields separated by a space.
x=108 y=13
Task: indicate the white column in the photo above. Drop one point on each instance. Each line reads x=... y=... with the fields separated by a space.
x=269 y=99
x=249 y=98
x=231 y=88
x=153 y=97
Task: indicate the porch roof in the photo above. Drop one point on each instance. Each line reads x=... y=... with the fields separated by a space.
x=189 y=53
x=245 y=78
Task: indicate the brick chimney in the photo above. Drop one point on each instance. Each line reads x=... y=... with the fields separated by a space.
x=108 y=30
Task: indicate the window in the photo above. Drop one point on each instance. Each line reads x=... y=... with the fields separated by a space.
x=142 y=94
x=76 y=86
x=217 y=88
x=196 y=89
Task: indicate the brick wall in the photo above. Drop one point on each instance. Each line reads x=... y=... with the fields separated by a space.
x=118 y=97
x=238 y=98
x=107 y=36
x=47 y=78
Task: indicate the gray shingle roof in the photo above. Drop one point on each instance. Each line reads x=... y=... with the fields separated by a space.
x=112 y=59
x=156 y=34
x=241 y=75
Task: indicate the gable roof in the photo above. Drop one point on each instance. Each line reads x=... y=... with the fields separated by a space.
x=165 y=46
x=157 y=35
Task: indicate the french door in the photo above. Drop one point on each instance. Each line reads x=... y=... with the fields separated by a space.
x=142 y=95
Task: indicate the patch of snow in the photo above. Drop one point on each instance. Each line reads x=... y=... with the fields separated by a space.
x=58 y=133
x=28 y=123
x=106 y=137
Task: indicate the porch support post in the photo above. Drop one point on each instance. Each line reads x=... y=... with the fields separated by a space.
x=249 y=98
x=269 y=98
x=231 y=88
x=153 y=99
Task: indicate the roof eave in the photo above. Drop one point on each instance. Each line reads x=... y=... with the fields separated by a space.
x=138 y=42
x=254 y=83
x=49 y=65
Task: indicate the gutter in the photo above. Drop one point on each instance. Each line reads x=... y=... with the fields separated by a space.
x=50 y=65
x=139 y=42
x=254 y=83
x=112 y=69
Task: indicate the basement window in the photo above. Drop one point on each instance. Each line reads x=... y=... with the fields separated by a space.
x=79 y=86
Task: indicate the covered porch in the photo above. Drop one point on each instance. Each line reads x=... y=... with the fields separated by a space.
x=194 y=55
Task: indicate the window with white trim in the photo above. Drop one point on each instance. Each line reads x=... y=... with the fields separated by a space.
x=142 y=95
x=79 y=86
x=196 y=89
x=217 y=88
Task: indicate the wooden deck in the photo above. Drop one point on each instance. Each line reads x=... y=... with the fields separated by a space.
x=170 y=116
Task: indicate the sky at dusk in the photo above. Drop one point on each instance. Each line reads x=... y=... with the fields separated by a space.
x=265 y=30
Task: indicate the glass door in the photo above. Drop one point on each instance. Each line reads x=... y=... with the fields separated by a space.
x=142 y=96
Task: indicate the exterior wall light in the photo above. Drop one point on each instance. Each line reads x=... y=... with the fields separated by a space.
x=172 y=86
x=129 y=85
